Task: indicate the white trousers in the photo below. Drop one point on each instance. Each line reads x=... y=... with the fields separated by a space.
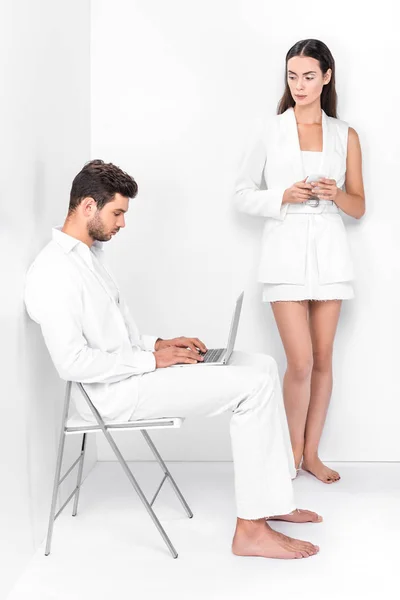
x=249 y=387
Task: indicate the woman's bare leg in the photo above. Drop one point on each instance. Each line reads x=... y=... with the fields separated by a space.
x=323 y=317
x=292 y=321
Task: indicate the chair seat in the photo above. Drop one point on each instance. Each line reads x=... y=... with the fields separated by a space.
x=76 y=424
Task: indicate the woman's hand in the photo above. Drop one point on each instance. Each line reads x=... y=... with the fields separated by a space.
x=325 y=189
x=298 y=193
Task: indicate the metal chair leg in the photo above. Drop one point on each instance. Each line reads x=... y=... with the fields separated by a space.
x=128 y=472
x=167 y=473
x=58 y=469
x=79 y=477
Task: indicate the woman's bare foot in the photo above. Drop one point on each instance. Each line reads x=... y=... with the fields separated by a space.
x=256 y=538
x=298 y=516
x=319 y=470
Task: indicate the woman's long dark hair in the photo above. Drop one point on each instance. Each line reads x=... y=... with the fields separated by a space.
x=318 y=50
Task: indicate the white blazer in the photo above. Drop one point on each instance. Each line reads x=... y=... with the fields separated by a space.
x=273 y=164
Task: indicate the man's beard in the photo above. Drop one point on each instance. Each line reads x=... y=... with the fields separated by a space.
x=95 y=229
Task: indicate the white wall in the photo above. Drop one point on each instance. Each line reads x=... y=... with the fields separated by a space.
x=45 y=135
x=176 y=87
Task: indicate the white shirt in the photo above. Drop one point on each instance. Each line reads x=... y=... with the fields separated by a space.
x=87 y=326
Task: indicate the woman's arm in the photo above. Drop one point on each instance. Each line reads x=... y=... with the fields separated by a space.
x=352 y=201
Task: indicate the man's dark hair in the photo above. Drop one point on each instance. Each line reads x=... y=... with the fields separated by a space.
x=101 y=181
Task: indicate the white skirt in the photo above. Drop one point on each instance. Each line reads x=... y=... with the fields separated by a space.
x=312 y=289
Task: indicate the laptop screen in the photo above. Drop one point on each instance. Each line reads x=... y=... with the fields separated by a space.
x=234 y=326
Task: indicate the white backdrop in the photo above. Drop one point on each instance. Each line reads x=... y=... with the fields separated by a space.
x=176 y=88
x=45 y=139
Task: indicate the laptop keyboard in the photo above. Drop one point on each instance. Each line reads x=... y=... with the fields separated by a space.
x=213 y=355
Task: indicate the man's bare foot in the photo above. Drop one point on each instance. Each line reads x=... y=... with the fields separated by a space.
x=256 y=538
x=319 y=470
x=298 y=516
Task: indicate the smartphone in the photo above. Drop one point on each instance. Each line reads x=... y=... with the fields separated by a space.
x=314 y=177
x=314 y=200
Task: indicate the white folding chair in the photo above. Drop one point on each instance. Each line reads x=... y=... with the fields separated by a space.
x=70 y=426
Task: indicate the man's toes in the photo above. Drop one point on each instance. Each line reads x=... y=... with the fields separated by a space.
x=310 y=550
x=312 y=516
x=317 y=518
x=308 y=547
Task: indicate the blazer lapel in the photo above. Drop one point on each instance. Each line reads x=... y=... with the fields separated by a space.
x=293 y=146
x=328 y=136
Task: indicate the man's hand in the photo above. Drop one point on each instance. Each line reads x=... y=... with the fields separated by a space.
x=181 y=342
x=173 y=355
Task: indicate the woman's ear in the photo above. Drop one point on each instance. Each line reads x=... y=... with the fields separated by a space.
x=327 y=76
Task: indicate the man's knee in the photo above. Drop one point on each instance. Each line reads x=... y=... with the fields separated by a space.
x=265 y=364
x=262 y=373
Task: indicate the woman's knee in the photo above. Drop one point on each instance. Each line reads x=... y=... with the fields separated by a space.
x=300 y=369
x=322 y=361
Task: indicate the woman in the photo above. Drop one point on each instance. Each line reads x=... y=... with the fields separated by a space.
x=305 y=266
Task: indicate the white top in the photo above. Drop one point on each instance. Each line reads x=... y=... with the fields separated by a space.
x=87 y=326
x=311 y=161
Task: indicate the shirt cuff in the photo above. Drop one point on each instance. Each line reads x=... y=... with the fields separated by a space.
x=145 y=361
x=149 y=342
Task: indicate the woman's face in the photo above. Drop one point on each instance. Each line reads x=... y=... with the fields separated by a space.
x=305 y=79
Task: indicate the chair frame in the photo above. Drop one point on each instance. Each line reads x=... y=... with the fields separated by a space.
x=143 y=426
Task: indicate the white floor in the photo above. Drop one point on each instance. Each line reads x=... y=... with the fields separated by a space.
x=111 y=550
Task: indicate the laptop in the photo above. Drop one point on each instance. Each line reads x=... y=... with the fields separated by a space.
x=221 y=356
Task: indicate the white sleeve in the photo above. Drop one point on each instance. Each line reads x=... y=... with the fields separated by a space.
x=249 y=197
x=57 y=308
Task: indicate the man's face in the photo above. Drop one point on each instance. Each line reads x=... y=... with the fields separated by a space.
x=108 y=221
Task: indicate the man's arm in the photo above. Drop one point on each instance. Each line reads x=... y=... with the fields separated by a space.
x=57 y=307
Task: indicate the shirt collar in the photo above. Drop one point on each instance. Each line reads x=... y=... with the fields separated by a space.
x=68 y=243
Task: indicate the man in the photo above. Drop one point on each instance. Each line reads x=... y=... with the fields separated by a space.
x=93 y=339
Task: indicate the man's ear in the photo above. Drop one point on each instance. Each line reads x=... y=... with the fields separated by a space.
x=88 y=206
